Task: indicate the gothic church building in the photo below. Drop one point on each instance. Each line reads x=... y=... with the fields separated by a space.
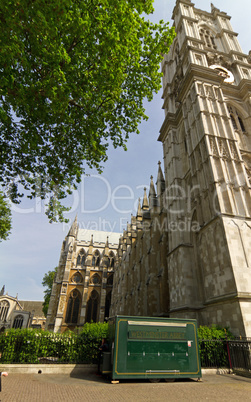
x=187 y=252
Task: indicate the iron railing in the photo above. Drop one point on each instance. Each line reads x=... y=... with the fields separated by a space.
x=214 y=353
x=240 y=355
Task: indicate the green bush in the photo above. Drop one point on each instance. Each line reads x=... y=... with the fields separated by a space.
x=213 y=346
x=90 y=339
x=33 y=346
x=214 y=332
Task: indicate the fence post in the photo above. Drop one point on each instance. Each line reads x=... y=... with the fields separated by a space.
x=228 y=352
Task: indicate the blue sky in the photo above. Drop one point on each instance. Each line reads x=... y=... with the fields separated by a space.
x=102 y=202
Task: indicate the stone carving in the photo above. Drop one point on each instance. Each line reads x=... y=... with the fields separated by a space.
x=214 y=58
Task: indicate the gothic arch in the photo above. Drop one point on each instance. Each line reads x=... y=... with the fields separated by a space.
x=207 y=35
x=95 y=280
x=81 y=257
x=240 y=126
x=92 y=308
x=109 y=280
x=77 y=278
x=111 y=259
x=96 y=258
x=73 y=307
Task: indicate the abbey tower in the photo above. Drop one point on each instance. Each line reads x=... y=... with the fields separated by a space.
x=207 y=159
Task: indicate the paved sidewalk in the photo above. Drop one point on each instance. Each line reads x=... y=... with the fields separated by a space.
x=70 y=388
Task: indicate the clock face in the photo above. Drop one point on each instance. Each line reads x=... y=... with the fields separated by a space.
x=228 y=76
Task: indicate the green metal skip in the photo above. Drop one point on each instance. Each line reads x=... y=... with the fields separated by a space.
x=152 y=348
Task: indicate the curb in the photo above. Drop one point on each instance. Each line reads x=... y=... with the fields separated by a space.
x=49 y=368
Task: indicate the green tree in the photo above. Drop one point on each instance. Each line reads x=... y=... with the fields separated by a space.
x=5 y=217
x=73 y=77
x=48 y=282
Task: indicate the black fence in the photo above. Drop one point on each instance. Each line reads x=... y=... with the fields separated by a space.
x=231 y=354
x=240 y=355
x=214 y=353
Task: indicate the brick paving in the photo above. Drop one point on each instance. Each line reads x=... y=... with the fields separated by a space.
x=70 y=388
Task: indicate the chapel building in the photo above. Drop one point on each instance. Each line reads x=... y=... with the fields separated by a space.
x=82 y=286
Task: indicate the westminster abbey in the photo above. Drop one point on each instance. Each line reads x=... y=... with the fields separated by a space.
x=187 y=252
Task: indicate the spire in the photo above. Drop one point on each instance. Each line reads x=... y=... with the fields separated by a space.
x=91 y=241
x=152 y=194
x=2 y=290
x=160 y=181
x=90 y=248
x=139 y=212
x=74 y=227
x=213 y=8
x=145 y=204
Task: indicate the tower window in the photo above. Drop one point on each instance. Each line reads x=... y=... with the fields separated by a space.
x=233 y=122
x=241 y=124
x=236 y=120
x=207 y=38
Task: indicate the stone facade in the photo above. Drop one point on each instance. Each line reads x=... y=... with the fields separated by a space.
x=202 y=267
x=82 y=288
x=140 y=279
x=16 y=313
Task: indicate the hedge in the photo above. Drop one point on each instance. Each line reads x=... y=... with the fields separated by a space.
x=35 y=346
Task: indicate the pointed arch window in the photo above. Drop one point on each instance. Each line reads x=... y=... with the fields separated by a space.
x=242 y=127
x=95 y=280
x=233 y=122
x=18 y=321
x=92 y=307
x=207 y=38
x=81 y=258
x=96 y=259
x=4 y=309
x=111 y=259
x=237 y=122
x=77 y=278
x=73 y=307
x=110 y=280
